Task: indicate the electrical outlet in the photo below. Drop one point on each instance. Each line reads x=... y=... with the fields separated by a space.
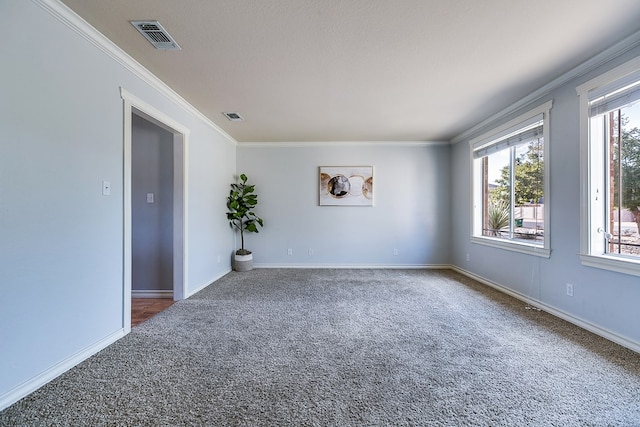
x=569 y=289
x=468 y=257
x=218 y=259
x=289 y=251
x=395 y=252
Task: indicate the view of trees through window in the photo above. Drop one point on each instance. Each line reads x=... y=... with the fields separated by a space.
x=514 y=192
x=623 y=152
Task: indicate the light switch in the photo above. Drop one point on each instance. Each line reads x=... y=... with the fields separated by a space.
x=149 y=197
x=106 y=188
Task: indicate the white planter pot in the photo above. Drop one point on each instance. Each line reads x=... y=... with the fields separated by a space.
x=243 y=262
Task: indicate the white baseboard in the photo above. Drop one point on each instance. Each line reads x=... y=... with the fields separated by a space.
x=43 y=378
x=151 y=294
x=204 y=285
x=56 y=370
x=584 y=324
x=356 y=266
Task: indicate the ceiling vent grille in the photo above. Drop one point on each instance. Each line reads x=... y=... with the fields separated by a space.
x=234 y=117
x=157 y=36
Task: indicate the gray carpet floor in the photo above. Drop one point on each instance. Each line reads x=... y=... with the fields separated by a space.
x=288 y=347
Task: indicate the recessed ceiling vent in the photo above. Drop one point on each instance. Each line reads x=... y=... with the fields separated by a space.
x=157 y=36
x=234 y=117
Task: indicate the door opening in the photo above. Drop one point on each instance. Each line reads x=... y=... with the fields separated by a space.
x=154 y=207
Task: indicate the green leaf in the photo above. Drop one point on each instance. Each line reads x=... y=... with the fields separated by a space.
x=240 y=203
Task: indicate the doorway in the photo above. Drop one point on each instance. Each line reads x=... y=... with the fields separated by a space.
x=152 y=193
x=154 y=208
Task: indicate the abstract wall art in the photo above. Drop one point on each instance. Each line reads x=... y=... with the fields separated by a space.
x=346 y=185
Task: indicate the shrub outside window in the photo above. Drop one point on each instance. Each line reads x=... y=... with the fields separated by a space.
x=511 y=186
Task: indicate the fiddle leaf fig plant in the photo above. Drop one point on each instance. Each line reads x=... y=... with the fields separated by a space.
x=241 y=202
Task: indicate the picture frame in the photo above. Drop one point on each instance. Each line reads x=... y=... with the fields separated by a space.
x=346 y=186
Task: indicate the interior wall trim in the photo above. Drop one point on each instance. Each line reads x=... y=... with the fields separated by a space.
x=591 y=64
x=81 y=27
x=396 y=144
x=209 y=282
x=151 y=293
x=584 y=324
x=58 y=369
x=357 y=266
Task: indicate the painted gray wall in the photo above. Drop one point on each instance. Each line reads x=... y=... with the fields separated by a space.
x=602 y=298
x=151 y=223
x=61 y=245
x=61 y=285
x=410 y=212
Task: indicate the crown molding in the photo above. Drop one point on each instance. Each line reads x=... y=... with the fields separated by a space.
x=589 y=65
x=300 y=144
x=69 y=18
x=81 y=27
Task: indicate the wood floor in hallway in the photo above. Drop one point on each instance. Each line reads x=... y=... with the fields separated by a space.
x=145 y=308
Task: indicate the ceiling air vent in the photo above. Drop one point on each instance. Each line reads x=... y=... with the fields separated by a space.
x=234 y=117
x=157 y=36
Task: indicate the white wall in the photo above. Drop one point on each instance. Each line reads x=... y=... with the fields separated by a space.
x=603 y=301
x=61 y=245
x=410 y=212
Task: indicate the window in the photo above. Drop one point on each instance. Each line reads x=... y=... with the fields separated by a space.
x=610 y=134
x=511 y=185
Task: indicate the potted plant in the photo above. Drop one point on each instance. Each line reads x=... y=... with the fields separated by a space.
x=241 y=202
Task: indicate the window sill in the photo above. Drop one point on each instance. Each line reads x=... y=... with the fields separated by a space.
x=612 y=263
x=510 y=245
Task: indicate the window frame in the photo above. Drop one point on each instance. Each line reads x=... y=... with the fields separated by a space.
x=518 y=123
x=592 y=169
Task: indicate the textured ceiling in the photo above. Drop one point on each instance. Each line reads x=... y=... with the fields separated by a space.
x=361 y=70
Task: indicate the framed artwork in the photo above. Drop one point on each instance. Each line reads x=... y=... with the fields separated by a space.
x=346 y=185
